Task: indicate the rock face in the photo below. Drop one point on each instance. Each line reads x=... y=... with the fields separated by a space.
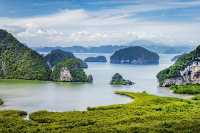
x=69 y=70
x=90 y=78
x=17 y=61
x=56 y=56
x=173 y=81
x=191 y=73
x=65 y=74
x=134 y=55
x=117 y=79
x=96 y=59
x=186 y=70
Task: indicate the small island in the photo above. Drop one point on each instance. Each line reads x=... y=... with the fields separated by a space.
x=117 y=79
x=70 y=70
x=96 y=59
x=56 y=56
x=134 y=55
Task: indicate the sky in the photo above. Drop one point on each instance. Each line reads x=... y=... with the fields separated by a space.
x=39 y=23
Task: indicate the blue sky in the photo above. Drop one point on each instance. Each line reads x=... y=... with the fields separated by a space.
x=100 y=22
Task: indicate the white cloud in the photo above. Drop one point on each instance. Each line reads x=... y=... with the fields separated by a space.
x=107 y=26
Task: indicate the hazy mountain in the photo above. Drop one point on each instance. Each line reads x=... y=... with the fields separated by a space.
x=155 y=47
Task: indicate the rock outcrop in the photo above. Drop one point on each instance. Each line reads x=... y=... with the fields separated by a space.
x=65 y=74
x=117 y=79
x=186 y=70
x=69 y=70
x=173 y=81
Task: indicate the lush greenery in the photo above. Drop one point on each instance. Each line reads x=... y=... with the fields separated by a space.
x=17 y=61
x=147 y=113
x=57 y=55
x=74 y=66
x=1 y=101
x=186 y=89
x=134 y=55
x=196 y=97
x=174 y=70
x=117 y=79
x=96 y=59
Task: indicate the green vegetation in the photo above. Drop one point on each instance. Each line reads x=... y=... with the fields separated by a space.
x=74 y=66
x=17 y=61
x=180 y=64
x=117 y=79
x=1 y=101
x=134 y=55
x=196 y=97
x=147 y=113
x=186 y=89
x=56 y=56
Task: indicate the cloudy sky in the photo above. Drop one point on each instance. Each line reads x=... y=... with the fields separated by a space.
x=101 y=22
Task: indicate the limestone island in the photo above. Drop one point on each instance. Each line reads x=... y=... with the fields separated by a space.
x=134 y=55
x=69 y=70
x=17 y=61
x=117 y=79
x=96 y=59
x=186 y=70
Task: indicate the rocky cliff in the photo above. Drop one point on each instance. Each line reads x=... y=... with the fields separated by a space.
x=186 y=70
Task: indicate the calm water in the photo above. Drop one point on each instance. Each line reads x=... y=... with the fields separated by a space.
x=35 y=95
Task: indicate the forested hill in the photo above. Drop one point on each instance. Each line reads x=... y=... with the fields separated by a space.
x=17 y=61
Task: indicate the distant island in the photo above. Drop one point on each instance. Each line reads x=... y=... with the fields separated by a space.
x=96 y=59
x=134 y=55
x=57 y=55
x=117 y=79
x=186 y=70
x=152 y=46
x=17 y=61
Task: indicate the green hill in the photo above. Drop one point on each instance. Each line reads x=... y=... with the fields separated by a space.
x=17 y=61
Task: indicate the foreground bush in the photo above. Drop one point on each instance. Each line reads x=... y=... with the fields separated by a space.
x=186 y=89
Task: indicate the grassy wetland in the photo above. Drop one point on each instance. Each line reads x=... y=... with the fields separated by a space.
x=146 y=113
